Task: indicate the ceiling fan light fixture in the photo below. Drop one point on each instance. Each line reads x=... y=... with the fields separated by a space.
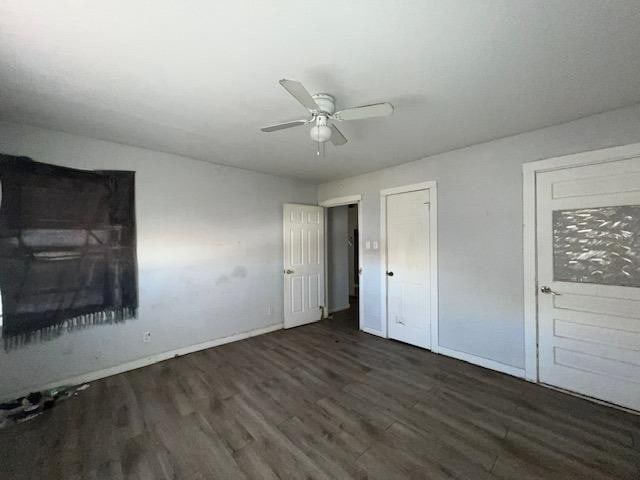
x=320 y=133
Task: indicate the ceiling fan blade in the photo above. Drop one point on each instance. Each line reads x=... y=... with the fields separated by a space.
x=281 y=126
x=337 y=138
x=297 y=91
x=365 y=111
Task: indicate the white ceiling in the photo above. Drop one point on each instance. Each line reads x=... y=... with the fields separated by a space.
x=199 y=78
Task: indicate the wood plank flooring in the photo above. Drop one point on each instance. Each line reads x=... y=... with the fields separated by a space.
x=322 y=401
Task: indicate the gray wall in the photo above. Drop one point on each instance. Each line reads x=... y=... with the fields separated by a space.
x=337 y=258
x=209 y=255
x=479 y=228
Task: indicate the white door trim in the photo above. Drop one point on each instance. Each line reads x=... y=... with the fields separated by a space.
x=339 y=202
x=408 y=188
x=433 y=254
x=529 y=172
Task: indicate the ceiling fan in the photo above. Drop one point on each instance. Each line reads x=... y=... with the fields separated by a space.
x=322 y=108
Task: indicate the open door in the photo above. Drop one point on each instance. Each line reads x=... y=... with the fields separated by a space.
x=303 y=264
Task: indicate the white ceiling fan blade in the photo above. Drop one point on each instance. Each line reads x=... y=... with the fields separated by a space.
x=297 y=91
x=337 y=138
x=365 y=111
x=281 y=126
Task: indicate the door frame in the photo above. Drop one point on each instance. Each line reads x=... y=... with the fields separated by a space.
x=530 y=271
x=432 y=187
x=339 y=202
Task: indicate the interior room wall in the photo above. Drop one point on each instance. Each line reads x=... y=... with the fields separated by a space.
x=337 y=258
x=479 y=228
x=209 y=256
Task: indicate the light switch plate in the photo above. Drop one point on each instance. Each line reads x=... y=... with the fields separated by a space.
x=375 y=245
x=367 y=245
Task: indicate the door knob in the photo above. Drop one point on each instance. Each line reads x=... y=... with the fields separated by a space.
x=390 y=274
x=548 y=291
x=288 y=271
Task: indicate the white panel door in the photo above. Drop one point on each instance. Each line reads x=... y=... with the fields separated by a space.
x=303 y=264
x=408 y=267
x=588 y=241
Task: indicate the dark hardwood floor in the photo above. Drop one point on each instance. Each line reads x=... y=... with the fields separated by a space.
x=321 y=401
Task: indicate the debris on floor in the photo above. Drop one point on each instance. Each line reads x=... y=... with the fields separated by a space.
x=25 y=408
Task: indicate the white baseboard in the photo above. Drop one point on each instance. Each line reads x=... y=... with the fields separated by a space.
x=339 y=309
x=143 y=362
x=378 y=333
x=159 y=357
x=483 y=362
x=467 y=357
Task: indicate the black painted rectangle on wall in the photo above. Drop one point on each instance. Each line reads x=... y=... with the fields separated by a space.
x=67 y=248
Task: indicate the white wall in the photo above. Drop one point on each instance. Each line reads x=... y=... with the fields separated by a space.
x=209 y=255
x=479 y=228
x=337 y=258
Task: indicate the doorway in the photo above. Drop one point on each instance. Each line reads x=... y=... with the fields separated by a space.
x=343 y=264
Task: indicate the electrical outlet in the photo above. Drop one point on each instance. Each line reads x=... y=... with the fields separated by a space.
x=146 y=337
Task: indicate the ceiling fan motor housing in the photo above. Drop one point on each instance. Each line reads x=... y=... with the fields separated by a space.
x=326 y=102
